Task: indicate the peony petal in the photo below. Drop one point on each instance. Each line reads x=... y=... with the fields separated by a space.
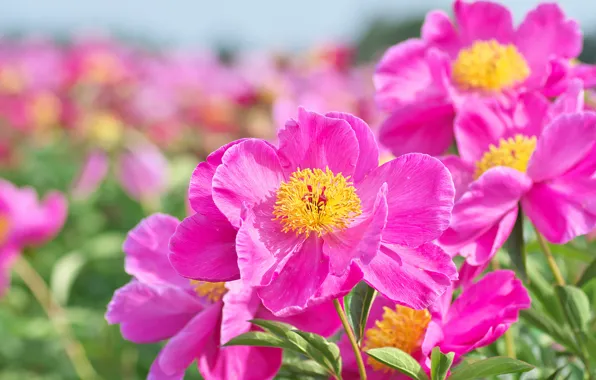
x=317 y=141
x=243 y=363
x=156 y=373
x=190 y=342
x=419 y=199
x=572 y=100
x=199 y=191
x=146 y=249
x=462 y=173
x=320 y=319
x=545 y=33
x=250 y=173
x=425 y=127
x=483 y=20
x=240 y=306
x=142 y=171
x=92 y=173
x=368 y=158
x=530 y=115
x=562 y=145
x=487 y=200
x=360 y=241
x=52 y=215
x=148 y=314
x=289 y=293
x=438 y=30
x=414 y=277
x=203 y=248
x=468 y=273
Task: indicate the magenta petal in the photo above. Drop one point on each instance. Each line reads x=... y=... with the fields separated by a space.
x=562 y=145
x=148 y=314
x=438 y=30
x=317 y=141
x=414 y=277
x=461 y=171
x=403 y=75
x=299 y=280
x=368 y=158
x=190 y=342
x=545 y=33
x=156 y=373
x=468 y=273
x=142 y=171
x=483 y=312
x=420 y=198
x=531 y=113
x=487 y=200
x=572 y=100
x=243 y=363
x=483 y=20
x=360 y=241
x=250 y=173
x=203 y=248
x=199 y=191
x=50 y=220
x=321 y=319
x=425 y=127
x=92 y=173
x=146 y=248
x=240 y=305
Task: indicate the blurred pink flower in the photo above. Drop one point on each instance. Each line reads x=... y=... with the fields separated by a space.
x=195 y=317
x=537 y=155
x=421 y=81
x=304 y=222
x=477 y=318
x=24 y=221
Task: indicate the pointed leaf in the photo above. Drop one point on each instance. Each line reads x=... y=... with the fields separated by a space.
x=277 y=328
x=399 y=360
x=588 y=275
x=576 y=307
x=495 y=366
x=258 y=338
x=515 y=247
x=327 y=349
x=440 y=364
x=357 y=304
x=302 y=368
x=559 y=333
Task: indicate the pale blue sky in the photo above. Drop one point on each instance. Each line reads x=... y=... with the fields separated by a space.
x=258 y=24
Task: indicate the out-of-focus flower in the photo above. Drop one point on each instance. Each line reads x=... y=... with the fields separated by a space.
x=24 y=222
x=196 y=317
x=422 y=81
x=477 y=318
x=537 y=155
x=306 y=221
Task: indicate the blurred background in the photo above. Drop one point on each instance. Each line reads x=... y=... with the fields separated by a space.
x=115 y=102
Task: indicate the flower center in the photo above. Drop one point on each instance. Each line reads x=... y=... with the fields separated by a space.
x=316 y=201
x=4 y=228
x=489 y=66
x=515 y=152
x=401 y=328
x=213 y=291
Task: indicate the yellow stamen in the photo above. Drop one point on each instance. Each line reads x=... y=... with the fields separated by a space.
x=316 y=201
x=105 y=129
x=401 y=328
x=4 y=228
x=515 y=152
x=386 y=158
x=489 y=66
x=213 y=291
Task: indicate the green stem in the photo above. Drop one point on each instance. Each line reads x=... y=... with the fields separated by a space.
x=57 y=316
x=352 y=338
x=550 y=259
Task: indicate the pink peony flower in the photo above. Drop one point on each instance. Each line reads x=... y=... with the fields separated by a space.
x=422 y=81
x=477 y=318
x=536 y=155
x=303 y=223
x=195 y=317
x=24 y=221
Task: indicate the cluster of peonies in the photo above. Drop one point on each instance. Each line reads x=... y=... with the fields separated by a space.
x=281 y=230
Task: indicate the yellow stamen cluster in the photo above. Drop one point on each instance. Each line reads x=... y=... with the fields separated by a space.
x=489 y=66
x=4 y=228
x=401 y=328
x=515 y=152
x=213 y=291
x=316 y=201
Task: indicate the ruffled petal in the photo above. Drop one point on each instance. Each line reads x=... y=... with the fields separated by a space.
x=92 y=173
x=240 y=305
x=483 y=21
x=142 y=171
x=438 y=31
x=461 y=171
x=243 y=363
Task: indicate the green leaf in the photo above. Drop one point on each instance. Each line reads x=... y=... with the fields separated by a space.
x=399 y=360
x=258 y=338
x=357 y=304
x=576 y=307
x=588 y=275
x=515 y=247
x=555 y=374
x=498 y=365
x=329 y=350
x=64 y=274
x=544 y=323
x=301 y=368
x=277 y=328
x=565 y=251
x=440 y=364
